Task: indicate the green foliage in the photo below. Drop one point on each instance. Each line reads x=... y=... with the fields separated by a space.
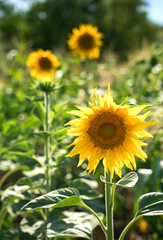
x=34 y=229
x=77 y=224
x=86 y=187
x=129 y=180
x=150 y=204
x=23 y=164
x=124 y=23
x=58 y=198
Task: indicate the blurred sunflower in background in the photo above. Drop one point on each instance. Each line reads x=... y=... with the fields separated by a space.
x=110 y=132
x=85 y=41
x=142 y=226
x=43 y=64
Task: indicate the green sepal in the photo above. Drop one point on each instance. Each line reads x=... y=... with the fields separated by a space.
x=47 y=86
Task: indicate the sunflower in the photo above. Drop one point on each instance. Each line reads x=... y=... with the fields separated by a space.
x=109 y=132
x=43 y=64
x=142 y=226
x=85 y=41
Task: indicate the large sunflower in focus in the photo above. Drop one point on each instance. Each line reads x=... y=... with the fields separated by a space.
x=43 y=64
x=85 y=41
x=110 y=132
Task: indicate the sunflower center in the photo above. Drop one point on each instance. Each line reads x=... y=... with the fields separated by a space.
x=45 y=63
x=86 y=42
x=107 y=131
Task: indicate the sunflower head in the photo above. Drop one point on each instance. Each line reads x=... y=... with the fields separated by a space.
x=109 y=132
x=85 y=41
x=142 y=226
x=43 y=65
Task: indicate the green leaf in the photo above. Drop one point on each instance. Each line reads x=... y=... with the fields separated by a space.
x=149 y=198
x=60 y=131
x=61 y=161
x=76 y=225
x=23 y=185
x=59 y=107
x=32 y=227
x=7 y=165
x=9 y=234
x=23 y=148
x=58 y=198
x=14 y=192
x=129 y=180
x=150 y=204
x=86 y=187
x=43 y=134
x=47 y=134
x=31 y=122
x=153 y=210
x=36 y=173
x=34 y=181
x=13 y=207
x=23 y=154
x=11 y=128
x=39 y=111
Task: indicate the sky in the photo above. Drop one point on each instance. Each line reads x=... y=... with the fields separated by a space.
x=154 y=8
x=155 y=11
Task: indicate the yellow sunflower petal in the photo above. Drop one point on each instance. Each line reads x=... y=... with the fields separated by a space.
x=110 y=132
x=136 y=110
x=43 y=65
x=144 y=116
x=87 y=149
x=92 y=160
x=92 y=96
x=85 y=110
x=108 y=96
x=77 y=113
x=143 y=133
x=85 y=41
x=109 y=162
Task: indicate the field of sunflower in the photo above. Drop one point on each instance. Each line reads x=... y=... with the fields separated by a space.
x=81 y=143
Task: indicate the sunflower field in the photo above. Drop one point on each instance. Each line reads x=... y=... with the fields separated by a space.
x=81 y=122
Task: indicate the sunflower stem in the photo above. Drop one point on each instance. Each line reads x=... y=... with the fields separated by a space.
x=46 y=148
x=47 y=107
x=98 y=218
x=109 y=200
x=127 y=227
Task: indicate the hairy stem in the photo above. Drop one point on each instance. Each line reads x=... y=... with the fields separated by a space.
x=3 y=179
x=127 y=228
x=46 y=147
x=47 y=108
x=109 y=192
x=101 y=223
